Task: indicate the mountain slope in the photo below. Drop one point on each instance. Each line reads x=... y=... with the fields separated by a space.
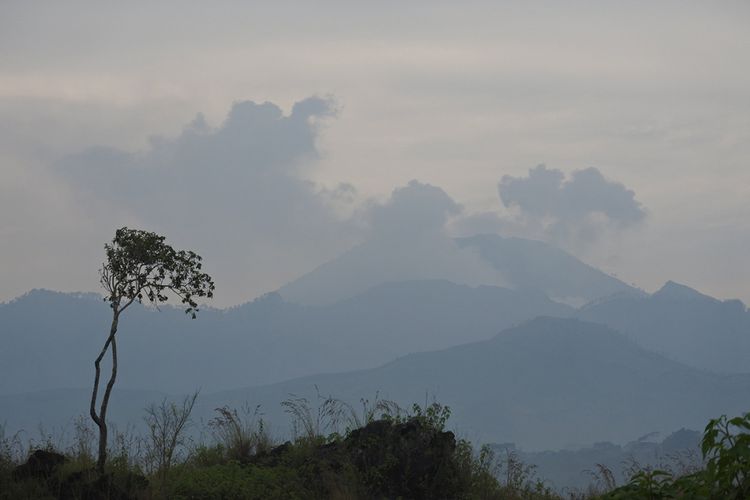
x=545 y=384
x=537 y=265
x=548 y=383
x=481 y=259
x=50 y=339
x=683 y=324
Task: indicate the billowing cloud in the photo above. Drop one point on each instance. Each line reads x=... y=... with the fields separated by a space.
x=413 y=209
x=546 y=193
x=255 y=145
x=236 y=192
x=576 y=208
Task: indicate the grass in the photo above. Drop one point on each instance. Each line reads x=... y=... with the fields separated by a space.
x=382 y=452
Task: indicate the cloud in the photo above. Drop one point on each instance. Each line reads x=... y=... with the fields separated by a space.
x=545 y=192
x=416 y=208
x=579 y=207
x=409 y=240
x=256 y=143
x=236 y=192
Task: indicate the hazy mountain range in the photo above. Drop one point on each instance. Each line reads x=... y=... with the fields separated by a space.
x=51 y=338
x=546 y=384
x=683 y=324
x=638 y=363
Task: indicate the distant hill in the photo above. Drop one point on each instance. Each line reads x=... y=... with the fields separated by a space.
x=50 y=339
x=546 y=384
x=574 y=468
x=52 y=414
x=683 y=324
x=482 y=259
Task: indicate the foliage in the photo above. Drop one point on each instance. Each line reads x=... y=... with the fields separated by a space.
x=507 y=478
x=235 y=481
x=726 y=446
x=166 y=423
x=604 y=478
x=370 y=411
x=315 y=423
x=726 y=450
x=141 y=266
x=433 y=415
x=84 y=437
x=399 y=456
x=11 y=447
x=239 y=436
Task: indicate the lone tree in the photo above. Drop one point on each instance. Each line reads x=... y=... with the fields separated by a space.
x=140 y=266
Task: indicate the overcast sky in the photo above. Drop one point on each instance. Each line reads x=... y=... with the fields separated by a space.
x=270 y=138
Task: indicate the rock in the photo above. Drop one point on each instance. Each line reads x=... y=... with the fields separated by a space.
x=41 y=464
x=410 y=459
x=271 y=458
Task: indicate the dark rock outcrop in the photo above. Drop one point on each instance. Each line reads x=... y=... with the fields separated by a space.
x=41 y=464
x=411 y=459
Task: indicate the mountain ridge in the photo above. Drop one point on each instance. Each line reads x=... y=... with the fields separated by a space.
x=682 y=323
x=547 y=383
x=51 y=338
x=508 y=262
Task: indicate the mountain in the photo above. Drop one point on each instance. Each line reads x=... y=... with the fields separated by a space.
x=683 y=324
x=672 y=291
x=50 y=339
x=546 y=384
x=410 y=257
x=568 y=469
x=534 y=264
x=51 y=415
x=483 y=259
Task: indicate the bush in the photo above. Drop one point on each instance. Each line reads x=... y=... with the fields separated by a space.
x=726 y=450
x=240 y=436
x=235 y=481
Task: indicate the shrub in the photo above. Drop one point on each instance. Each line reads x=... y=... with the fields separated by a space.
x=166 y=423
x=726 y=449
x=240 y=436
x=235 y=481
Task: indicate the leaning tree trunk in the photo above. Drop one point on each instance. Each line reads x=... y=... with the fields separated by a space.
x=100 y=419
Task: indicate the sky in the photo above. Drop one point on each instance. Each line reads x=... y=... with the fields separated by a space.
x=272 y=137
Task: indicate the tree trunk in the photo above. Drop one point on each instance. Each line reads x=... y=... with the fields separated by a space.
x=100 y=419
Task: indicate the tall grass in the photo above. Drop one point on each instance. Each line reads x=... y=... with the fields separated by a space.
x=240 y=434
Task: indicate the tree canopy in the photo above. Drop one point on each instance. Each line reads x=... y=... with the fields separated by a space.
x=140 y=265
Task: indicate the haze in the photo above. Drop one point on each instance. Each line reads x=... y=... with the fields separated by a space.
x=447 y=249
x=98 y=129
